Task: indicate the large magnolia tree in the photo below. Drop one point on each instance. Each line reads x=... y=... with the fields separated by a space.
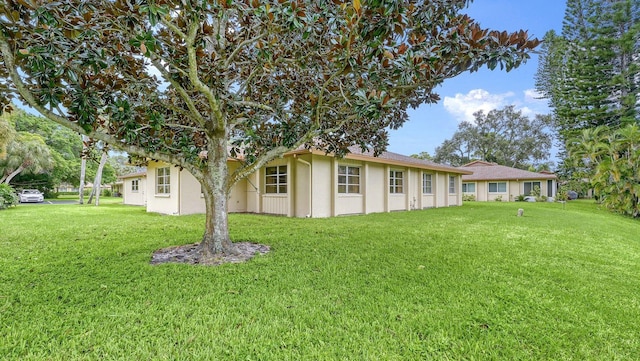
x=192 y=82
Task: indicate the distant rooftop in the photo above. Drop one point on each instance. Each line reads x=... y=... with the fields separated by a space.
x=491 y=171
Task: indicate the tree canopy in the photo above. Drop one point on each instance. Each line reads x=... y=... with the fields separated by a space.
x=25 y=153
x=185 y=81
x=64 y=150
x=591 y=71
x=504 y=136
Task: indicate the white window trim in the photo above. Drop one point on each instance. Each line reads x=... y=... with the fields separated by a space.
x=497 y=188
x=424 y=188
x=166 y=185
x=277 y=176
x=467 y=184
x=454 y=184
x=394 y=177
x=348 y=177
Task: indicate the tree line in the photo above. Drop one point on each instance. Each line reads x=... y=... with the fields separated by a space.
x=38 y=153
x=590 y=75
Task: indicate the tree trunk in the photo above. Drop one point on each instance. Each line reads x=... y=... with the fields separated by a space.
x=97 y=182
x=13 y=174
x=83 y=168
x=215 y=241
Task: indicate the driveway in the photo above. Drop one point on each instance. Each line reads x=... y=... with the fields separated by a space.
x=52 y=201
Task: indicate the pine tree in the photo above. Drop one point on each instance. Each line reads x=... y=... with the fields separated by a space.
x=590 y=73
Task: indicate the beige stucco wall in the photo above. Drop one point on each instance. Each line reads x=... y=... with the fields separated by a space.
x=514 y=189
x=349 y=203
x=135 y=198
x=303 y=186
x=254 y=185
x=190 y=199
x=162 y=203
x=276 y=203
x=322 y=187
x=377 y=187
x=311 y=190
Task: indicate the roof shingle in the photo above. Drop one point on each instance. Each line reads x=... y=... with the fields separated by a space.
x=491 y=171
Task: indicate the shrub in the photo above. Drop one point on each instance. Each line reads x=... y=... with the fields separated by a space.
x=535 y=192
x=106 y=192
x=520 y=198
x=498 y=199
x=8 y=196
x=469 y=197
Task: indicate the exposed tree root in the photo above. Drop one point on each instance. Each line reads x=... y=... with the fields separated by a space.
x=192 y=254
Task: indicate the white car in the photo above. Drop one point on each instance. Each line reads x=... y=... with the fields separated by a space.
x=31 y=195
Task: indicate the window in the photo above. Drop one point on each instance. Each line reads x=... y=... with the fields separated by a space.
x=395 y=181
x=468 y=187
x=163 y=180
x=348 y=179
x=426 y=183
x=498 y=187
x=134 y=185
x=529 y=186
x=452 y=184
x=276 y=179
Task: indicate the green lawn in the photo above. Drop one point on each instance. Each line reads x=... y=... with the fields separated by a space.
x=473 y=282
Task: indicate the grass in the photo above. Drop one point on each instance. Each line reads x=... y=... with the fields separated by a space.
x=473 y=282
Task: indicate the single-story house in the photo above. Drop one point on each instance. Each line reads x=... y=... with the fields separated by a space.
x=491 y=181
x=133 y=189
x=309 y=183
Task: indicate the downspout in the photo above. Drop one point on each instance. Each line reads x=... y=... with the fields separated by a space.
x=179 y=193
x=310 y=185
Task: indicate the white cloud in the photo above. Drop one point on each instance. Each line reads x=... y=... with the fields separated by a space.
x=533 y=96
x=462 y=106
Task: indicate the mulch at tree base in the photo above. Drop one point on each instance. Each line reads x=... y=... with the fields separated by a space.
x=189 y=254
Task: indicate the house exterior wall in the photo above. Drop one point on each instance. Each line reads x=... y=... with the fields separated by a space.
x=349 y=203
x=191 y=200
x=441 y=186
x=276 y=203
x=312 y=189
x=514 y=189
x=303 y=186
x=131 y=197
x=254 y=185
x=322 y=190
x=377 y=187
x=162 y=203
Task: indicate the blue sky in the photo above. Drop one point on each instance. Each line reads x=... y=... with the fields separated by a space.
x=460 y=97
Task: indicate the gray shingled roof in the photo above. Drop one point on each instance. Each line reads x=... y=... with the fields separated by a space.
x=491 y=171
x=395 y=157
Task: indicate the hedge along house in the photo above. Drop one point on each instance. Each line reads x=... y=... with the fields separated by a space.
x=491 y=181
x=309 y=183
x=134 y=188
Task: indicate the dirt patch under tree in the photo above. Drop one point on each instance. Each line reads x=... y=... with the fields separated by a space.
x=190 y=254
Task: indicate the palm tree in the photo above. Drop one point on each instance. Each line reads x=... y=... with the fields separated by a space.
x=613 y=156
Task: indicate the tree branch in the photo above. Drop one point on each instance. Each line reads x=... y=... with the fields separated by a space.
x=10 y=66
x=195 y=80
x=182 y=91
x=235 y=52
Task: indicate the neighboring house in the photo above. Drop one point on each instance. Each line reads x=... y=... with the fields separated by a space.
x=134 y=187
x=306 y=183
x=491 y=181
